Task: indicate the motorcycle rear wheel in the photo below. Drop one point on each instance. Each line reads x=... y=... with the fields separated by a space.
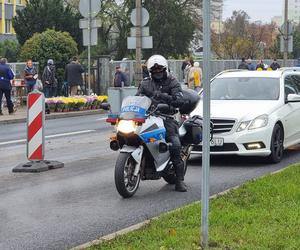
x=126 y=183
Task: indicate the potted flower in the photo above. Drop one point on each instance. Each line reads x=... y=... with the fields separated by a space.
x=60 y=105
x=51 y=104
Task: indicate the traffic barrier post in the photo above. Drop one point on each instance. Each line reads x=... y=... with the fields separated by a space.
x=36 y=136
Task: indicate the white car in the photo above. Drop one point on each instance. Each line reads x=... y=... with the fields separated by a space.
x=254 y=113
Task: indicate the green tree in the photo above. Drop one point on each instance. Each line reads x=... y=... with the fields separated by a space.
x=51 y=44
x=171 y=26
x=40 y=15
x=244 y=39
x=171 y=37
x=9 y=49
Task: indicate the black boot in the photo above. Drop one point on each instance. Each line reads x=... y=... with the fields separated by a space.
x=180 y=186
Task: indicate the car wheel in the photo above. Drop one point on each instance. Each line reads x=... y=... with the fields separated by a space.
x=276 y=146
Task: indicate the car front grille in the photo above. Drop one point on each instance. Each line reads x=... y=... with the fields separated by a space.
x=227 y=147
x=222 y=125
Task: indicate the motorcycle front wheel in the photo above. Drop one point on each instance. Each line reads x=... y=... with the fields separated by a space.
x=126 y=183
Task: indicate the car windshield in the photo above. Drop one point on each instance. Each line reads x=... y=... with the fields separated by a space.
x=245 y=88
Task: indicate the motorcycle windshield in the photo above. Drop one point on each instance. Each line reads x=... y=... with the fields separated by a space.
x=134 y=107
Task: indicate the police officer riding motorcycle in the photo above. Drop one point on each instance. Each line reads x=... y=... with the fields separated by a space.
x=162 y=87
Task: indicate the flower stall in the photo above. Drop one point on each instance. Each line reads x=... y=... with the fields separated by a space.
x=75 y=103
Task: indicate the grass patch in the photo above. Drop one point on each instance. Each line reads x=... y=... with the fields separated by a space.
x=261 y=214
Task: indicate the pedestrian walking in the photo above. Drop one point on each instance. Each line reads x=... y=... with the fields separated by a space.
x=145 y=71
x=188 y=66
x=183 y=66
x=195 y=77
x=6 y=75
x=275 y=65
x=73 y=75
x=243 y=64
x=120 y=79
x=30 y=76
x=49 y=79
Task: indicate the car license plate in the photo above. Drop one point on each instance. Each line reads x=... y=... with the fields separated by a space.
x=216 y=142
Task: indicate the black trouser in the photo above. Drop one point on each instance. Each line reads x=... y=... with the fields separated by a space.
x=7 y=93
x=172 y=137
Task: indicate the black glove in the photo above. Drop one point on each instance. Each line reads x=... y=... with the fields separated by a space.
x=162 y=96
x=156 y=95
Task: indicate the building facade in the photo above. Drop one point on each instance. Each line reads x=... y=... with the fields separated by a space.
x=8 y=10
x=293 y=10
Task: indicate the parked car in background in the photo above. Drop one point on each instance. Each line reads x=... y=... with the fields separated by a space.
x=254 y=113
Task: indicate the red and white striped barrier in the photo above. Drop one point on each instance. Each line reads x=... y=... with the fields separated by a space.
x=35 y=126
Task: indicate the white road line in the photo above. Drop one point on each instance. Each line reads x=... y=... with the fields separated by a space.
x=101 y=119
x=12 y=142
x=70 y=133
x=49 y=136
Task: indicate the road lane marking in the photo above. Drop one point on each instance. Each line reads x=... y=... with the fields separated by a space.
x=101 y=119
x=12 y=142
x=70 y=133
x=49 y=136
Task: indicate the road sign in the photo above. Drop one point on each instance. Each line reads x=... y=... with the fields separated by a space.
x=86 y=37
x=145 y=17
x=290 y=28
x=144 y=31
x=147 y=42
x=290 y=43
x=84 y=23
x=84 y=8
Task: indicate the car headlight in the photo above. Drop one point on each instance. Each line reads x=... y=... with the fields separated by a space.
x=243 y=126
x=126 y=127
x=259 y=122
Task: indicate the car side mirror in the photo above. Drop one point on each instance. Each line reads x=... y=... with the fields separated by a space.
x=293 y=98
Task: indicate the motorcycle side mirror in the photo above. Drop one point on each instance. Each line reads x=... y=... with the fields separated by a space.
x=164 y=108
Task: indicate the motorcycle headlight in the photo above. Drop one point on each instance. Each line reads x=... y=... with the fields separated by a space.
x=259 y=122
x=126 y=127
x=242 y=126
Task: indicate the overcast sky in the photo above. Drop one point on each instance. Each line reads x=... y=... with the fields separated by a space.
x=262 y=10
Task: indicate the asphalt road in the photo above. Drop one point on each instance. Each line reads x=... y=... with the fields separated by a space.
x=63 y=208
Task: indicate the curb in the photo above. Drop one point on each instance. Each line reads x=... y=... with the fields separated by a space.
x=146 y=222
x=58 y=115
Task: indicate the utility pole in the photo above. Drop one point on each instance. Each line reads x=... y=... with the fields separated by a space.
x=206 y=123
x=89 y=46
x=286 y=36
x=138 y=51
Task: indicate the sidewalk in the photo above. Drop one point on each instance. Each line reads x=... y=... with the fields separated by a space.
x=21 y=115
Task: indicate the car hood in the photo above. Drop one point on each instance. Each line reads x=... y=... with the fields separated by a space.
x=238 y=109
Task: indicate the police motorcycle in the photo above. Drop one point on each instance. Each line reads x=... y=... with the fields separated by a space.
x=140 y=137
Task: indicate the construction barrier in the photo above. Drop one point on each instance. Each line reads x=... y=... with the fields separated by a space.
x=35 y=126
x=36 y=137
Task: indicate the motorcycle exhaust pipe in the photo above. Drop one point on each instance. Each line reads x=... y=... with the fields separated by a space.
x=114 y=145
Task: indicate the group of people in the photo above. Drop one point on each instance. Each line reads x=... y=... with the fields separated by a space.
x=48 y=82
x=192 y=74
x=73 y=77
x=249 y=65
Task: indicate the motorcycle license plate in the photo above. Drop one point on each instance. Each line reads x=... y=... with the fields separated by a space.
x=216 y=142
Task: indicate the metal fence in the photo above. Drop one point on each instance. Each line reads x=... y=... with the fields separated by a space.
x=103 y=70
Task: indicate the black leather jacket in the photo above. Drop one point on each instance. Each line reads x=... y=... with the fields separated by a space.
x=168 y=91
